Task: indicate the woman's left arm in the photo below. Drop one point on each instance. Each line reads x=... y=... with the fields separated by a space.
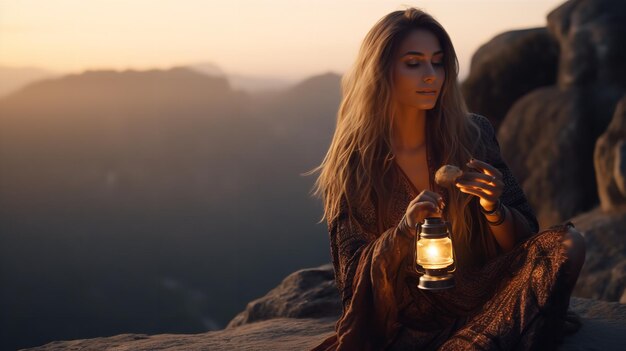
x=508 y=226
x=515 y=219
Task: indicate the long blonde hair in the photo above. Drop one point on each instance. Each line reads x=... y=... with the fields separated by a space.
x=357 y=164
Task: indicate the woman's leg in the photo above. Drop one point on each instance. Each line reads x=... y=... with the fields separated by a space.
x=574 y=244
x=528 y=311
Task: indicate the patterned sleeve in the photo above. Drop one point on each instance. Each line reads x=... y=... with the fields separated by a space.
x=512 y=196
x=345 y=246
x=367 y=272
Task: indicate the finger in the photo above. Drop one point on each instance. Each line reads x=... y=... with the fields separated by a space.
x=425 y=205
x=437 y=196
x=425 y=211
x=426 y=197
x=429 y=196
x=487 y=188
x=479 y=193
x=477 y=176
x=485 y=167
x=493 y=188
x=477 y=186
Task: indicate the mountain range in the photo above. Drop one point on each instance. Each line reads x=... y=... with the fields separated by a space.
x=153 y=201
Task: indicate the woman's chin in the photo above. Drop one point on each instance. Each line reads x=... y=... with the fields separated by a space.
x=426 y=106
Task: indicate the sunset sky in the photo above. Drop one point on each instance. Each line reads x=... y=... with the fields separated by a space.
x=288 y=39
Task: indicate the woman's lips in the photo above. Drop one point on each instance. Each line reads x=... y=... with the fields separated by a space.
x=431 y=92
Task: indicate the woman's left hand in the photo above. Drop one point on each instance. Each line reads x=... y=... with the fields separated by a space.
x=486 y=184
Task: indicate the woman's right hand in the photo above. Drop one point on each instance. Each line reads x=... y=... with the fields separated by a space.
x=426 y=204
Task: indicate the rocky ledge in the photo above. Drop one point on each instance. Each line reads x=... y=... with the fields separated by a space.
x=302 y=311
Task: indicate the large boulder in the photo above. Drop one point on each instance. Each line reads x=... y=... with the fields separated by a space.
x=591 y=40
x=548 y=135
x=603 y=275
x=507 y=67
x=307 y=293
x=610 y=161
x=547 y=139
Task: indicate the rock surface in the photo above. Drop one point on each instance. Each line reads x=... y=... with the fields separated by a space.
x=303 y=309
x=590 y=35
x=603 y=276
x=274 y=334
x=549 y=134
x=507 y=67
x=307 y=293
x=610 y=160
x=603 y=328
x=547 y=139
x=551 y=92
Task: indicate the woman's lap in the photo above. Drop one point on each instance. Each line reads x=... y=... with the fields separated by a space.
x=528 y=304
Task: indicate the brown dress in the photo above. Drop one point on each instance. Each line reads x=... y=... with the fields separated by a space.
x=513 y=301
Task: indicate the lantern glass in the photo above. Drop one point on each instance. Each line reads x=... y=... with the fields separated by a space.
x=434 y=253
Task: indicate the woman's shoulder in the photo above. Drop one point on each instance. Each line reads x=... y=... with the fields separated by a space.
x=487 y=137
x=482 y=122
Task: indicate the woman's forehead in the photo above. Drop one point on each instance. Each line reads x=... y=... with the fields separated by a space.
x=420 y=42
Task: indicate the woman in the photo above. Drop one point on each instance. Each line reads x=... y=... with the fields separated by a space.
x=402 y=116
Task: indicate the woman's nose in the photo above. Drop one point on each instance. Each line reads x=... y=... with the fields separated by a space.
x=429 y=74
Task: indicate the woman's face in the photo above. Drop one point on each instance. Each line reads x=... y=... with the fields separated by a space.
x=418 y=71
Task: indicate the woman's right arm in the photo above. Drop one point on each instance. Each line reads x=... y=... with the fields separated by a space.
x=368 y=273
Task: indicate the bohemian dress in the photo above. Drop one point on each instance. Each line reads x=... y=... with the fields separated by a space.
x=512 y=301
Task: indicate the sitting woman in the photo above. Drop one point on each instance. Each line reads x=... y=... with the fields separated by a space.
x=402 y=117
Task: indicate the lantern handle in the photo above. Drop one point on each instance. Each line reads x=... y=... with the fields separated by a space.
x=449 y=225
x=418 y=228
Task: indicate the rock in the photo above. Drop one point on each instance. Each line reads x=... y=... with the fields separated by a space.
x=547 y=141
x=603 y=328
x=603 y=276
x=610 y=160
x=549 y=134
x=603 y=323
x=307 y=293
x=507 y=67
x=274 y=334
x=590 y=35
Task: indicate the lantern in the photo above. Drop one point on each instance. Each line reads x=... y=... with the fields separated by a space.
x=434 y=255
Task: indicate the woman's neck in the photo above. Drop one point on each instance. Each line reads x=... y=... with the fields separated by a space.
x=409 y=134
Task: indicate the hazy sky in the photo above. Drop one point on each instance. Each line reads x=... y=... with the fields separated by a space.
x=282 y=38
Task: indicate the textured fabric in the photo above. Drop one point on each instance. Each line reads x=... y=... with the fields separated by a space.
x=512 y=195
x=510 y=302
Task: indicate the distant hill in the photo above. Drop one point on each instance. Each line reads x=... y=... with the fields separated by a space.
x=14 y=78
x=251 y=84
x=153 y=201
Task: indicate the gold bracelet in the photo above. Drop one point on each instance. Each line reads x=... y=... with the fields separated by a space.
x=495 y=208
x=502 y=216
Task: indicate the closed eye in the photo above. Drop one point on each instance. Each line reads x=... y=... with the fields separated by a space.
x=416 y=64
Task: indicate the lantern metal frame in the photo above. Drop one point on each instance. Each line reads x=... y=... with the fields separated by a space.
x=434 y=279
